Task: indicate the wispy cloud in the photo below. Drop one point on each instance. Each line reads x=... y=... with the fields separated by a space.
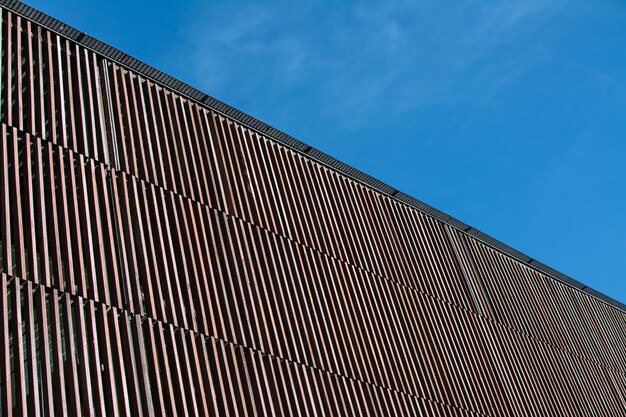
x=363 y=58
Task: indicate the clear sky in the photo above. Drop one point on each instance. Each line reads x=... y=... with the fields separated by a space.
x=510 y=116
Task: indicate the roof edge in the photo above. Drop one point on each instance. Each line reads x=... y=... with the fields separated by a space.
x=192 y=93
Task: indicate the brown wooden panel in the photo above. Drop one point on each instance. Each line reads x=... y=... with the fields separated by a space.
x=159 y=258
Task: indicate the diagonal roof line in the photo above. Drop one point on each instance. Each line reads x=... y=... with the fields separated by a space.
x=192 y=93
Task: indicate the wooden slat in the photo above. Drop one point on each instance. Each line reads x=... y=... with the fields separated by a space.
x=34 y=385
x=6 y=396
x=60 y=394
x=19 y=354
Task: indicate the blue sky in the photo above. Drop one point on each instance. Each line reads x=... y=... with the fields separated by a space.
x=510 y=116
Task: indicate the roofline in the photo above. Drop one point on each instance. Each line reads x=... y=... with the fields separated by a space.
x=192 y=93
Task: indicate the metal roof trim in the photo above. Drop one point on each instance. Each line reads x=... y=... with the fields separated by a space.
x=192 y=93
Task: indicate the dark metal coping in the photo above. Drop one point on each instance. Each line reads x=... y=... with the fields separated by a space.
x=196 y=95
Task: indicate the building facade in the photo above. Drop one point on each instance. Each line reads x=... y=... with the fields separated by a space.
x=162 y=253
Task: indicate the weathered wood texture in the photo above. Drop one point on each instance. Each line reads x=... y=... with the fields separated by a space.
x=158 y=258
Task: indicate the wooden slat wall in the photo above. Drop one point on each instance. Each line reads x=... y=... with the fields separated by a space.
x=160 y=259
